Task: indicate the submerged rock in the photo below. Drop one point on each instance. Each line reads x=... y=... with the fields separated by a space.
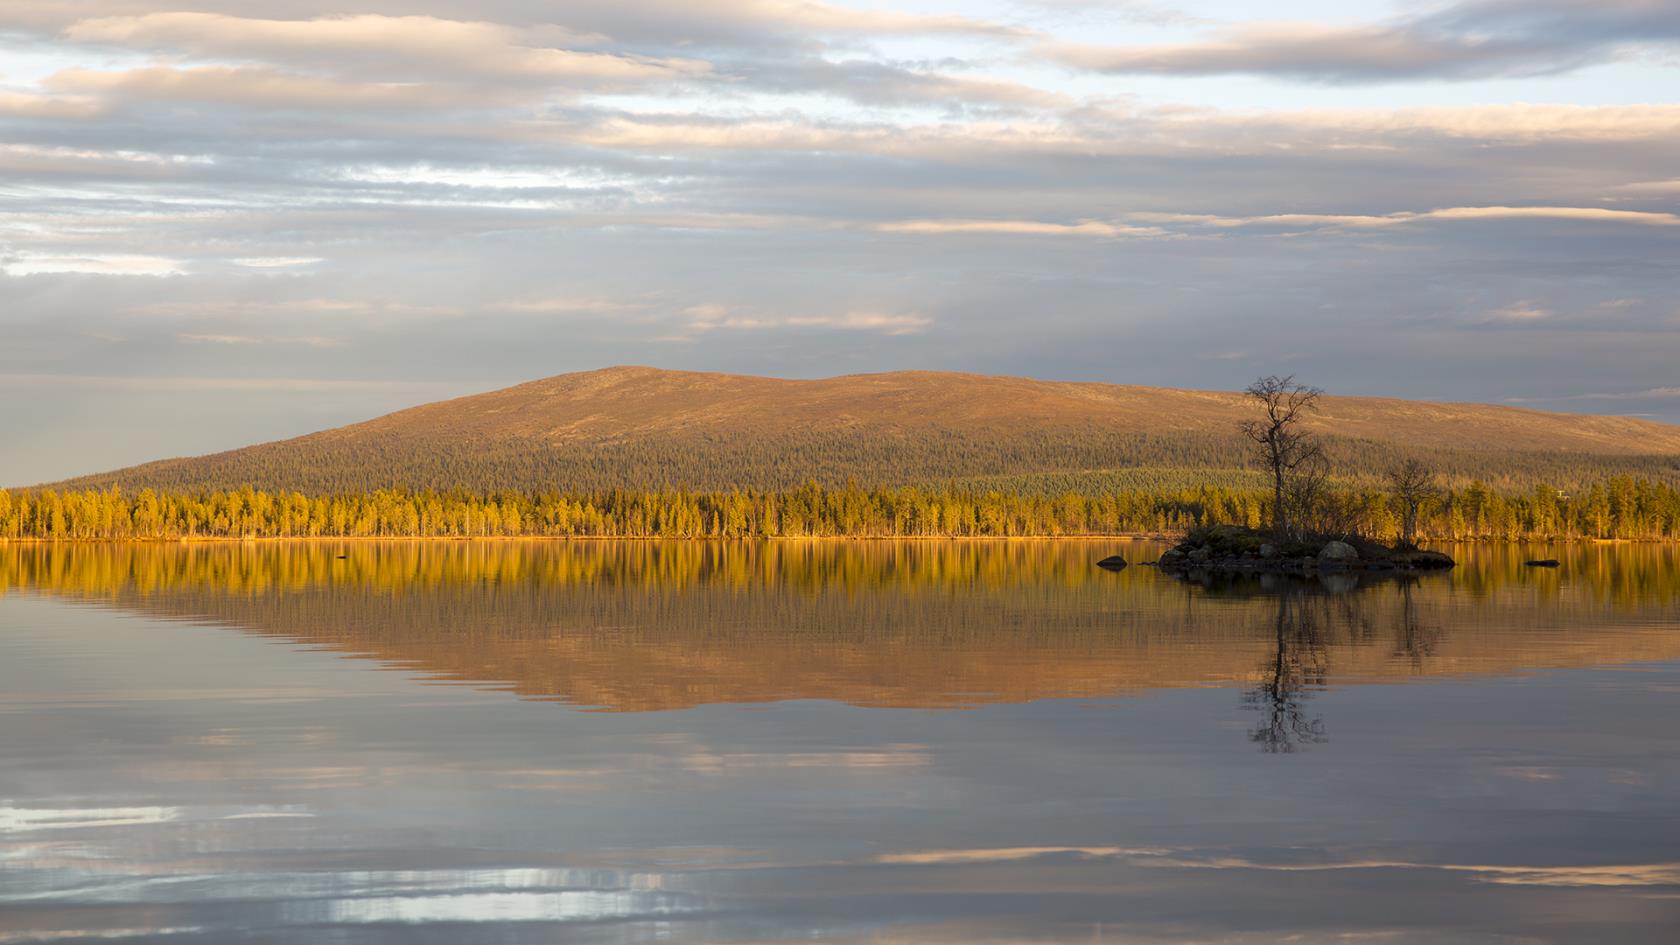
x=1112 y=563
x=1542 y=563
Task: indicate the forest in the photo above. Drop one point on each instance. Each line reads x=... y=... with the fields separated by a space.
x=1048 y=463
x=1620 y=507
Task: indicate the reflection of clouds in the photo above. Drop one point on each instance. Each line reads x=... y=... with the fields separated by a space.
x=24 y=820
x=567 y=906
x=62 y=935
x=366 y=884
x=31 y=819
x=1010 y=854
x=1648 y=874
x=1634 y=874
x=702 y=762
x=401 y=896
x=114 y=698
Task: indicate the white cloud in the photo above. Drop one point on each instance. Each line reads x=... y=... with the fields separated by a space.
x=311 y=341
x=1520 y=313
x=276 y=262
x=713 y=317
x=32 y=264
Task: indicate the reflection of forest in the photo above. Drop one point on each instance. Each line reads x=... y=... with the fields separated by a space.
x=644 y=625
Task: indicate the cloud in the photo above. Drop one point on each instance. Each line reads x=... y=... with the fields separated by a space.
x=254 y=87
x=1475 y=39
x=1404 y=218
x=1650 y=393
x=544 y=187
x=202 y=385
x=714 y=317
x=311 y=341
x=1520 y=313
x=1019 y=228
x=879 y=82
x=1296 y=50
x=829 y=18
x=27 y=105
x=276 y=262
x=1655 y=187
x=1190 y=222
x=115 y=264
x=393 y=46
x=1298 y=135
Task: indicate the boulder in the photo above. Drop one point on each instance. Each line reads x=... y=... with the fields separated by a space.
x=1199 y=555
x=1542 y=563
x=1112 y=563
x=1268 y=551
x=1338 y=551
x=1419 y=560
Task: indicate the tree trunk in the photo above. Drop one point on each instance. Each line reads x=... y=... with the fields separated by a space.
x=1280 y=518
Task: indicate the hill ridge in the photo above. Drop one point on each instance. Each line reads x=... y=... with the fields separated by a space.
x=634 y=425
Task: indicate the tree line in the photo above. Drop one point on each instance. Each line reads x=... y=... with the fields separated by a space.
x=1622 y=507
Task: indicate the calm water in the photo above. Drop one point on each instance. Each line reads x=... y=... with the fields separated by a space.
x=918 y=743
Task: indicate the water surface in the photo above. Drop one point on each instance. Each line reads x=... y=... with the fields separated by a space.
x=872 y=742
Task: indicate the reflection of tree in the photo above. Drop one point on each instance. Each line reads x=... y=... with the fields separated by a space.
x=1310 y=615
x=1297 y=666
x=1412 y=639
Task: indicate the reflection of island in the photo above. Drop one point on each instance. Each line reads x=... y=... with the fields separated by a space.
x=631 y=626
x=1309 y=611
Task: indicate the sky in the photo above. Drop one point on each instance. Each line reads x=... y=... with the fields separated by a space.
x=227 y=222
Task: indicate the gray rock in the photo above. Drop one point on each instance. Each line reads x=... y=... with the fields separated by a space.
x=1338 y=551
x=1268 y=551
x=1200 y=554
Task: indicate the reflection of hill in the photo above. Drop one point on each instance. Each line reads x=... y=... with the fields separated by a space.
x=644 y=626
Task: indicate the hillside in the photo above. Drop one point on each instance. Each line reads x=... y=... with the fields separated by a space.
x=632 y=426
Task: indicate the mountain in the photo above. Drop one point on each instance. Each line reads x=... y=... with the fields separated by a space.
x=635 y=426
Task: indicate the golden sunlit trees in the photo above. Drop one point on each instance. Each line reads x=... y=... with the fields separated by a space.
x=1623 y=507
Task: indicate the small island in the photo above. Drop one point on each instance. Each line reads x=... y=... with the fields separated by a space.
x=1308 y=533
x=1235 y=548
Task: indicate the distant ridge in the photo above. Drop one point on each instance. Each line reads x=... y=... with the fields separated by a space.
x=644 y=427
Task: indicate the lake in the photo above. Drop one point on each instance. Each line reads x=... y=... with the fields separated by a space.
x=965 y=742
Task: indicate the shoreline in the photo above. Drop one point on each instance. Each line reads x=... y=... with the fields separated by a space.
x=393 y=539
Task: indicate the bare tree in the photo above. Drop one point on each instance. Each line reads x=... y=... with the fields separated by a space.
x=1413 y=484
x=1284 y=446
